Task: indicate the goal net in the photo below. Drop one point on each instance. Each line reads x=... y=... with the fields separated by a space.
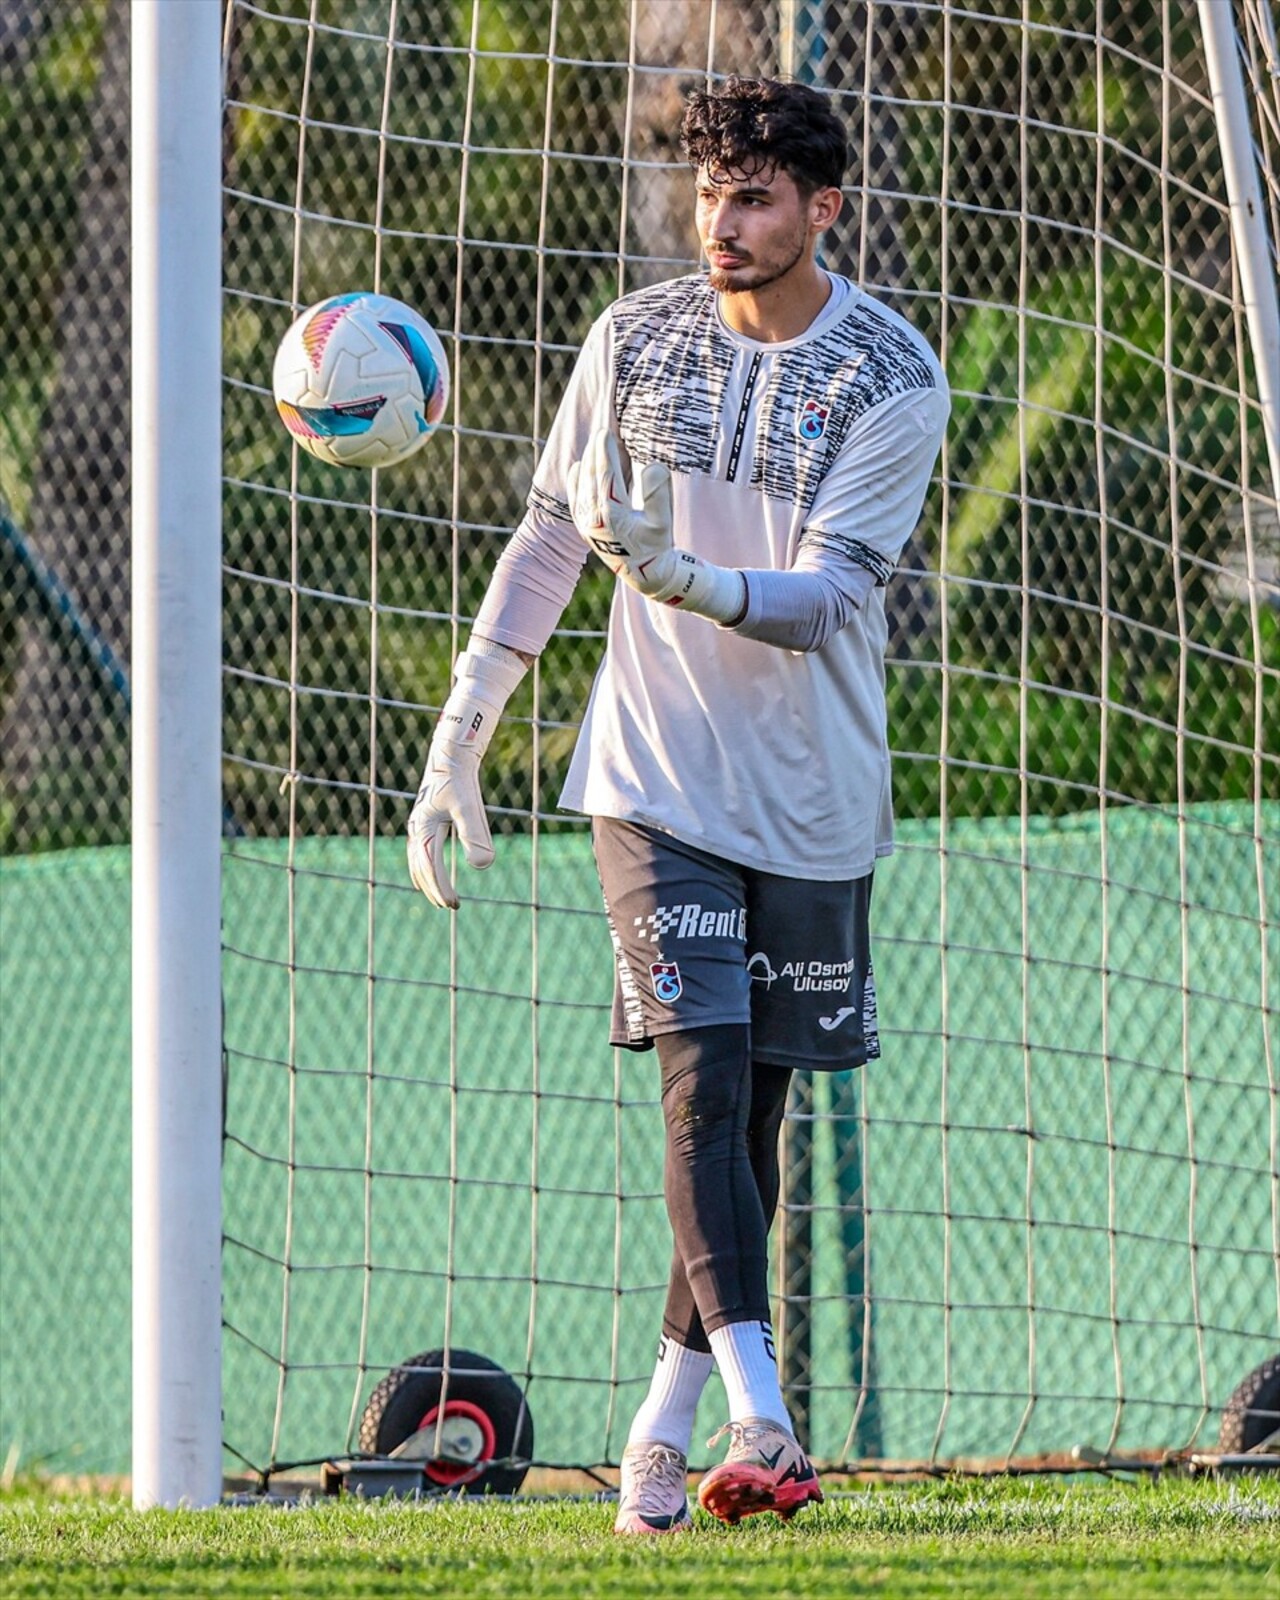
x=1049 y=1215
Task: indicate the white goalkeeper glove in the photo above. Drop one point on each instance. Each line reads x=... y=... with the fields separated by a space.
x=632 y=535
x=449 y=797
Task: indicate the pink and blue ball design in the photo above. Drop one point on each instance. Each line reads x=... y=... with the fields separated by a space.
x=357 y=417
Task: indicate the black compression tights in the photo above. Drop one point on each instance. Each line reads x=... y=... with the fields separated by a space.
x=723 y=1113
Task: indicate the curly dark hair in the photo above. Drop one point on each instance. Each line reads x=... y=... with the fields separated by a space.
x=750 y=125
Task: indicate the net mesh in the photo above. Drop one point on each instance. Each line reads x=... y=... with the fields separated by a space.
x=1051 y=1214
x=1047 y=1216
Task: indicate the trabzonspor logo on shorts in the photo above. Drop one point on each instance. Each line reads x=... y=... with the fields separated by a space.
x=666 y=981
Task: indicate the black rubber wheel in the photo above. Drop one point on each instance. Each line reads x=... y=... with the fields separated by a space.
x=486 y=1418
x=1252 y=1415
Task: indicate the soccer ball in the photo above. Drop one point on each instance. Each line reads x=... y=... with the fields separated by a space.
x=360 y=380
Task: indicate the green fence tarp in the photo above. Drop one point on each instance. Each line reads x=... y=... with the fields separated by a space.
x=1045 y=1264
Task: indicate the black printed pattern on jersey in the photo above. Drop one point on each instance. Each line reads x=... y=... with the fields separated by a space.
x=671 y=365
x=860 y=361
x=540 y=500
x=855 y=550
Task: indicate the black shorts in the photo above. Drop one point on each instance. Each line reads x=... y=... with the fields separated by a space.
x=698 y=940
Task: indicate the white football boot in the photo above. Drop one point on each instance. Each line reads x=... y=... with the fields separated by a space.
x=654 y=1491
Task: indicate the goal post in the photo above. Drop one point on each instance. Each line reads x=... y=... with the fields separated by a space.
x=176 y=584
x=1259 y=257
x=1050 y=1215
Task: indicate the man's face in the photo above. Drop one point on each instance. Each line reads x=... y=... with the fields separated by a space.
x=753 y=228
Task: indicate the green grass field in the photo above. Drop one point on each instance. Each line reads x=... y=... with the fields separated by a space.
x=1014 y=1539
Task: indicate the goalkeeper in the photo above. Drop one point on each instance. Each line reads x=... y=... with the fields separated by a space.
x=748 y=450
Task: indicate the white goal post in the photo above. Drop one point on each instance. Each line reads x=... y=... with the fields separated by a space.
x=177 y=528
x=1248 y=213
x=1051 y=1215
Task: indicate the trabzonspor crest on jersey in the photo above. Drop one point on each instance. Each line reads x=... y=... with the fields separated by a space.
x=811 y=424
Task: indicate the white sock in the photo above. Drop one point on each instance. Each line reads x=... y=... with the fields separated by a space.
x=666 y=1414
x=748 y=1366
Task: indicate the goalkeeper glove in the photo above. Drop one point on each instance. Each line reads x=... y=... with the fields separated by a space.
x=449 y=798
x=632 y=535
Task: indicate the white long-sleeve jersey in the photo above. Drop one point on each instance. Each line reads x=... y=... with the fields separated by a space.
x=803 y=463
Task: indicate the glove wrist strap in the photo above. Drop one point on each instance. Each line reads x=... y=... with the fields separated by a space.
x=719 y=593
x=485 y=677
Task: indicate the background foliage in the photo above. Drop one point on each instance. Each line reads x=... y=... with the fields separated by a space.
x=1072 y=603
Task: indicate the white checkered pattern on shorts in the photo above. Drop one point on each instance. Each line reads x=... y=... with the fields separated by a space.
x=658 y=922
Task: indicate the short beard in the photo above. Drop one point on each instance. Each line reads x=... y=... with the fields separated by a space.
x=725 y=283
